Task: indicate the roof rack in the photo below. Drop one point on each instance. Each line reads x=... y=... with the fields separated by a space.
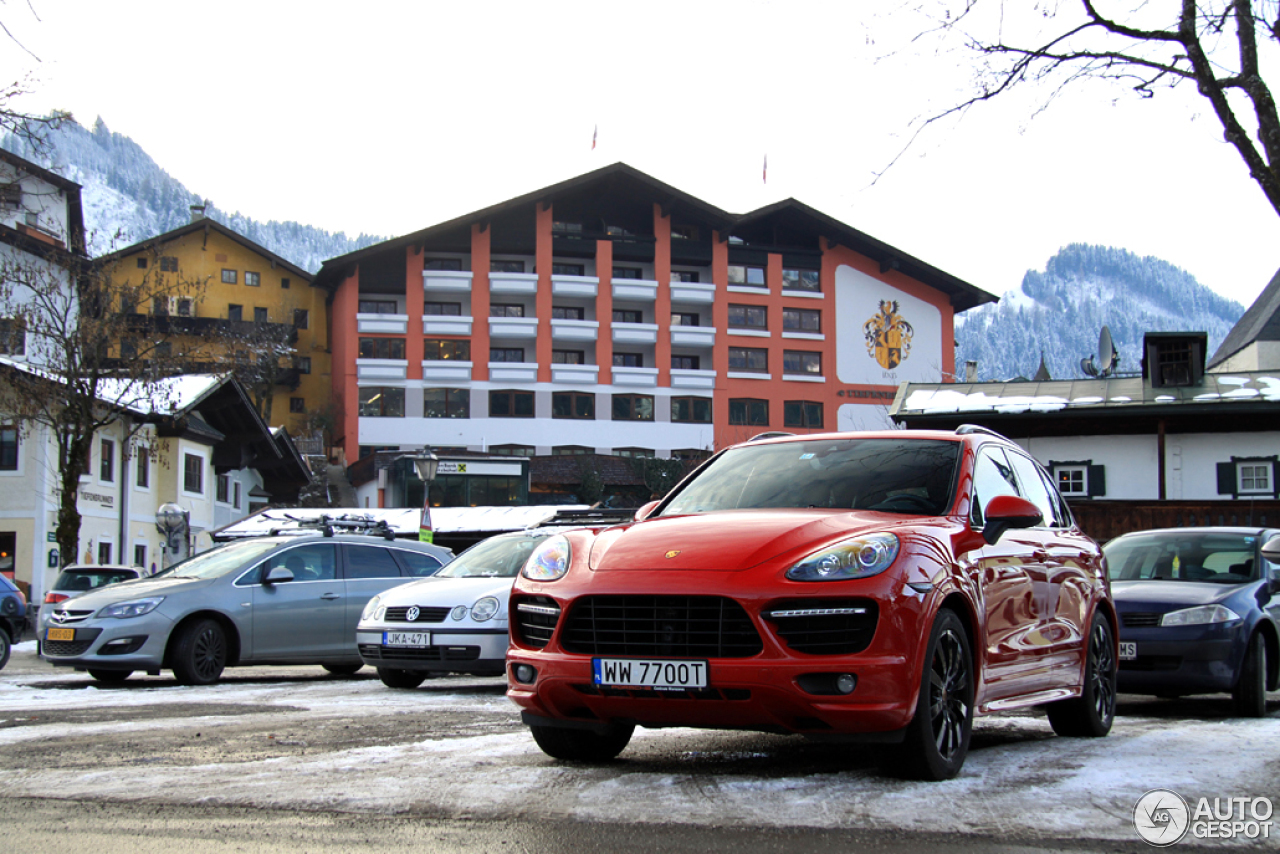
x=591 y=518
x=772 y=434
x=347 y=523
x=966 y=429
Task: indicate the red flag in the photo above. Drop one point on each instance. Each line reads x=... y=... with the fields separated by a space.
x=765 y=176
x=594 y=134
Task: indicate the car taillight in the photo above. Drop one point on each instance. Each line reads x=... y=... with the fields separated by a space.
x=55 y=598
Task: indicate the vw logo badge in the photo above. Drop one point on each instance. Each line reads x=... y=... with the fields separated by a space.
x=412 y=614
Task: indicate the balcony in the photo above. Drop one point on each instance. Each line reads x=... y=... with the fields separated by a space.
x=683 y=378
x=513 y=372
x=513 y=327
x=574 y=330
x=583 y=287
x=447 y=370
x=213 y=327
x=392 y=324
x=693 y=336
x=697 y=293
x=436 y=324
x=381 y=369
x=446 y=281
x=522 y=284
x=577 y=374
x=635 y=290
x=635 y=333
x=647 y=377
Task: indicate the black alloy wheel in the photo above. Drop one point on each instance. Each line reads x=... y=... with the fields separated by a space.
x=200 y=654
x=1091 y=714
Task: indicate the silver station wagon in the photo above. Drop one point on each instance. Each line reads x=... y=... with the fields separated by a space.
x=267 y=600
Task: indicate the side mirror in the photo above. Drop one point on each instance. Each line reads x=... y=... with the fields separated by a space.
x=1271 y=549
x=278 y=575
x=1006 y=512
x=643 y=512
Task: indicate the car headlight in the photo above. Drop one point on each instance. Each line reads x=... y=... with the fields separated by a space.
x=549 y=561
x=856 y=558
x=371 y=608
x=485 y=609
x=132 y=608
x=1199 y=616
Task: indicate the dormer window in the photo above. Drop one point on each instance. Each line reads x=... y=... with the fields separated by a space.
x=1174 y=360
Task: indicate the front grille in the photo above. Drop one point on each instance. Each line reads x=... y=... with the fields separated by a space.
x=666 y=626
x=534 y=619
x=425 y=615
x=374 y=652
x=824 y=626
x=72 y=617
x=1140 y=620
x=1152 y=663
x=71 y=649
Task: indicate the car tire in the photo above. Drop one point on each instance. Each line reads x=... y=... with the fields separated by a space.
x=1249 y=697
x=200 y=653
x=1091 y=714
x=582 y=745
x=342 y=669
x=937 y=739
x=5 y=647
x=110 y=677
x=395 y=678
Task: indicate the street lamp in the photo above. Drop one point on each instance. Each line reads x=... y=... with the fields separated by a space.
x=427 y=465
x=173 y=522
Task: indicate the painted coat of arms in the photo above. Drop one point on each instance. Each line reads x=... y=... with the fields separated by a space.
x=888 y=336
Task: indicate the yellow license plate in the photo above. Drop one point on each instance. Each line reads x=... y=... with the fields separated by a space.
x=60 y=635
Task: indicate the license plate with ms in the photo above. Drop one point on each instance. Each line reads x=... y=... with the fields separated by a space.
x=649 y=673
x=1128 y=650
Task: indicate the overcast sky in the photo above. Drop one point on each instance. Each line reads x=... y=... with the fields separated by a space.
x=398 y=115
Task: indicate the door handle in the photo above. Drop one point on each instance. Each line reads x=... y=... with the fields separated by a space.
x=330 y=596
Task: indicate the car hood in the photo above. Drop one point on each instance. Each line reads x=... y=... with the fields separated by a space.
x=447 y=591
x=140 y=589
x=1176 y=594
x=727 y=541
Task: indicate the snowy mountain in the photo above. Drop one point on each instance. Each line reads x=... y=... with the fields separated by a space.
x=1060 y=312
x=129 y=198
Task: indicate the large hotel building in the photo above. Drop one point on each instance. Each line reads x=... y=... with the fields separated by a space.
x=614 y=314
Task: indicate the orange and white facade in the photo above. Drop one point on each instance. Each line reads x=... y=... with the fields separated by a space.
x=612 y=313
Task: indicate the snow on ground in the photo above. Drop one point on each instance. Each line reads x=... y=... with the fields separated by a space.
x=1021 y=782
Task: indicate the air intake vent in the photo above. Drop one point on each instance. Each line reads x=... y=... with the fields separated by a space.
x=824 y=626
x=681 y=626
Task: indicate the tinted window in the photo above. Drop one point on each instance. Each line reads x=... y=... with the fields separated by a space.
x=1033 y=488
x=92 y=579
x=312 y=562
x=992 y=476
x=371 y=562
x=417 y=564
x=1222 y=558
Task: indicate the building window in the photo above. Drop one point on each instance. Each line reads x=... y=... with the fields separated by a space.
x=506 y=266
x=446 y=349
x=1079 y=478
x=107 y=464
x=1072 y=480
x=745 y=276
x=304 y=364
x=143 y=474
x=440 y=309
x=573 y=404
x=683 y=275
x=235 y=312
x=509 y=403
x=1254 y=477
x=748 y=317
x=298 y=405
x=13 y=338
x=628 y=360
x=453 y=264
x=806 y=414
x=802 y=362
x=142 y=263
x=300 y=318
x=686 y=363
x=635 y=453
x=446 y=402
x=284 y=283
x=755 y=359
x=562 y=227
x=259 y=314
x=801 y=280
x=747 y=410
x=627 y=315
x=571 y=451
x=695 y=454
x=183 y=306
x=506 y=354
x=568 y=357
x=104 y=553
x=8 y=448
x=193 y=474
x=381 y=348
x=512 y=450
x=381 y=402
x=235 y=495
x=691 y=410
x=567 y=312
x=160 y=306
x=568 y=270
x=222 y=491
x=169 y=264
x=228 y=276
x=252 y=280
x=11 y=195
x=628 y=273
x=376 y=306
x=497 y=309
x=685 y=318
x=632 y=407
x=801 y=320
x=140 y=556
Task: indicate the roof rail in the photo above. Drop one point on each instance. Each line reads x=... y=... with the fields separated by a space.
x=966 y=429
x=772 y=434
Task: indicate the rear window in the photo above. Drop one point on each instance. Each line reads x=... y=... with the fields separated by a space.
x=91 y=579
x=1221 y=558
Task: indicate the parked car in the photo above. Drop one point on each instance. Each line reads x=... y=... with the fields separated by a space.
x=453 y=621
x=78 y=579
x=267 y=600
x=1199 y=610
x=13 y=617
x=860 y=586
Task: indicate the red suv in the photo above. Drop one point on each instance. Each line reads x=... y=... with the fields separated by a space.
x=878 y=587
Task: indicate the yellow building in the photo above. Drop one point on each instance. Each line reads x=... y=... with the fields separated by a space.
x=219 y=290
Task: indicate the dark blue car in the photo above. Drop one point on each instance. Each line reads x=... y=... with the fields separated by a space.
x=1199 y=610
x=13 y=617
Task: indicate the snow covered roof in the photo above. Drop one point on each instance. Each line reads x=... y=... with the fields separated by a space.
x=402 y=520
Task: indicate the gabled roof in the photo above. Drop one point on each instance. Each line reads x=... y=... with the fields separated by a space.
x=212 y=225
x=75 y=207
x=1261 y=322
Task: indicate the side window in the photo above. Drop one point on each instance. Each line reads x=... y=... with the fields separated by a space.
x=1034 y=489
x=1062 y=513
x=417 y=564
x=312 y=562
x=992 y=476
x=370 y=562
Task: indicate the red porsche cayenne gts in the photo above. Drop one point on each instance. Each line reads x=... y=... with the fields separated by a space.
x=880 y=587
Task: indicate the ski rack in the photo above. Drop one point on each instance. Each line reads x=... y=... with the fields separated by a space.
x=348 y=523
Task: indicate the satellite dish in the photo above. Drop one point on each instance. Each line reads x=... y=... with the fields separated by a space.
x=1087 y=367
x=1107 y=355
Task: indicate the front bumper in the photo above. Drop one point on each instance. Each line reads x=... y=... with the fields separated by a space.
x=1181 y=660
x=137 y=643
x=478 y=651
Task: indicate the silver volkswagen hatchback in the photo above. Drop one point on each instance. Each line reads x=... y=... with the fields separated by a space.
x=267 y=600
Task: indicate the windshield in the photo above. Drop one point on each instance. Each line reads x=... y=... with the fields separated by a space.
x=1219 y=558
x=498 y=557
x=912 y=476
x=91 y=579
x=220 y=560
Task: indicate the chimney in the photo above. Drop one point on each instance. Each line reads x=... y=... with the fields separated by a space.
x=197 y=213
x=971 y=371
